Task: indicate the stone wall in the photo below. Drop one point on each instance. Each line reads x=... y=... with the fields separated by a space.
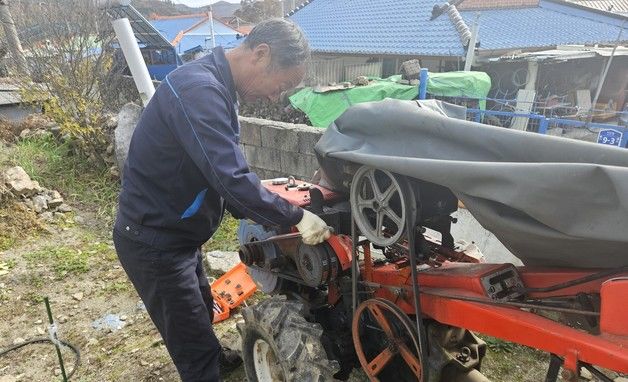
x=277 y=149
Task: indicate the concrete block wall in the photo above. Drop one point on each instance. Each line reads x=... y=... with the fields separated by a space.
x=277 y=149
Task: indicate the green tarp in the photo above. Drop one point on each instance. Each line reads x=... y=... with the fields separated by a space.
x=323 y=108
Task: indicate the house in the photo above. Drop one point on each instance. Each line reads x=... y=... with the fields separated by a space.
x=168 y=41
x=377 y=36
x=195 y=33
x=12 y=107
x=615 y=6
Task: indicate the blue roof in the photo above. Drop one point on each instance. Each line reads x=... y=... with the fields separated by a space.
x=170 y=28
x=403 y=27
x=538 y=27
x=396 y=27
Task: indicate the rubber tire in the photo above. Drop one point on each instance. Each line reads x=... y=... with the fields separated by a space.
x=295 y=341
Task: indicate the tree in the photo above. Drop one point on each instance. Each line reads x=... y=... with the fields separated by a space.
x=68 y=49
x=255 y=11
x=13 y=41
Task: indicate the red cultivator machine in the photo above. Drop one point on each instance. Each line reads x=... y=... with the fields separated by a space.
x=393 y=293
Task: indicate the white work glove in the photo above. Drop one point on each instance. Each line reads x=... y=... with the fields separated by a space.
x=313 y=229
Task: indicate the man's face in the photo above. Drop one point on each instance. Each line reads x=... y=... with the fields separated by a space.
x=266 y=81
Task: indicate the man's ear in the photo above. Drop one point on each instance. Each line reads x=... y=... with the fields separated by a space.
x=262 y=54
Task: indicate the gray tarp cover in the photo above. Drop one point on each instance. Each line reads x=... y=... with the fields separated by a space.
x=551 y=201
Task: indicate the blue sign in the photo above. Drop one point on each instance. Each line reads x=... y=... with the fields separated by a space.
x=609 y=137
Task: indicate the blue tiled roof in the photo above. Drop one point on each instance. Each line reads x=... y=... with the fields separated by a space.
x=403 y=27
x=170 y=28
x=537 y=27
x=397 y=27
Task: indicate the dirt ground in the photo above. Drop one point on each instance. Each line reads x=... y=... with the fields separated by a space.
x=72 y=262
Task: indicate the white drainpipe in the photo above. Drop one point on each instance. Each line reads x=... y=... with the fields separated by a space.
x=134 y=59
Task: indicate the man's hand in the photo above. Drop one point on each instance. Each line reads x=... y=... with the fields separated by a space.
x=313 y=229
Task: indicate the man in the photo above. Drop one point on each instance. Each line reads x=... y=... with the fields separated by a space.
x=184 y=168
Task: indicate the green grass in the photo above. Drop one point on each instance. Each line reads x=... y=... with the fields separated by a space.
x=6 y=242
x=64 y=261
x=226 y=237
x=71 y=260
x=116 y=287
x=54 y=166
x=513 y=362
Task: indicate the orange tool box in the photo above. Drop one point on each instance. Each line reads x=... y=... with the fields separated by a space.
x=230 y=290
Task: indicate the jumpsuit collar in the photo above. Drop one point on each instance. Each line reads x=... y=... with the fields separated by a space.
x=224 y=70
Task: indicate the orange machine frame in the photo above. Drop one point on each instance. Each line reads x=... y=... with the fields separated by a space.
x=608 y=349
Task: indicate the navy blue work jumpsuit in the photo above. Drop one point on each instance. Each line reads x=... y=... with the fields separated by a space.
x=183 y=169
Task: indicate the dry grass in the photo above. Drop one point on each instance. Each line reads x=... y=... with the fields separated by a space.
x=16 y=222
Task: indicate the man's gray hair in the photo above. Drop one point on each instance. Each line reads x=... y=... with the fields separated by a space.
x=288 y=45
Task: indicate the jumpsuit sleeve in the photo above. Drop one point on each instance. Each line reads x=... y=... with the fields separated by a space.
x=201 y=120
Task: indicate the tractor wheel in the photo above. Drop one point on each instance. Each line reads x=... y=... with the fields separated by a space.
x=279 y=344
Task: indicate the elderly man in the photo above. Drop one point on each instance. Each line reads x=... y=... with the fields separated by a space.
x=185 y=168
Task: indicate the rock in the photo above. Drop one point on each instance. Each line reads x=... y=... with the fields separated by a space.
x=78 y=296
x=46 y=216
x=63 y=208
x=361 y=81
x=18 y=340
x=143 y=363
x=58 y=215
x=586 y=374
x=62 y=319
x=127 y=119
x=25 y=133
x=110 y=149
x=8 y=378
x=410 y=69
x=79 y=219
x=221 y=261
x=114 y=172
x=20 y=183
x=112 y=122
x=38 y=322
x=53 y=198
x=39 y=203
x=40 y=331
x=92 y=342
x=55 y=129
x=29 y=204
x=123 y=318
x=57 y=371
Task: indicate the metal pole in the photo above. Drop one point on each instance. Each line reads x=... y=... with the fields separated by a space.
x=354 y=265
x=471 y=47
x=54 y=339
x=412 y=211
x=423 y=75
x=211 y=27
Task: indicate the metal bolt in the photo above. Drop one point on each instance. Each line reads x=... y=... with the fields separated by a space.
x=464 y=355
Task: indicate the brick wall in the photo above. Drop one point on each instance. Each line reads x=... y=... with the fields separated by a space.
x=277 y=149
